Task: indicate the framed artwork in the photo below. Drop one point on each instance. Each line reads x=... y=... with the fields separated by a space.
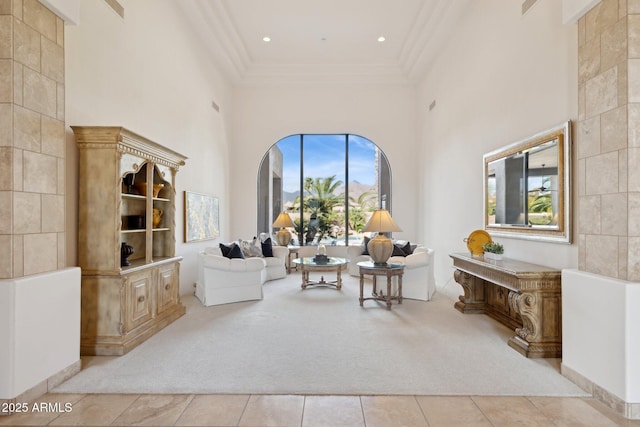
x=201 y=221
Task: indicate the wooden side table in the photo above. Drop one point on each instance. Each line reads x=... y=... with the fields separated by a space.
x=388 y=270
x=293 y=253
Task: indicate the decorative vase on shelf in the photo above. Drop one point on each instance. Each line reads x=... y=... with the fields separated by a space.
x=142 y=188
x=157 y=217
x=125 y=252
x=127 y=180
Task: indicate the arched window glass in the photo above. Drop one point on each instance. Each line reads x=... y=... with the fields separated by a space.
x=328 y=184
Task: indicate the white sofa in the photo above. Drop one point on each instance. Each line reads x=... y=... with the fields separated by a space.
x=222 y=280
x=418 y=280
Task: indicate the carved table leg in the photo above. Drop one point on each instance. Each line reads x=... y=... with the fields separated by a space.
x=388 y=299
x=541 y=331
x=474 y=299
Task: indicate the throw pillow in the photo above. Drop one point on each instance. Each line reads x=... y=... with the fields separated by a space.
x=256 y=247
x=365 y=251
x=231 y=251
x=267 y=248
x=250 y=248
x=408 y=249
x=400 y=249
x=397 y=251
x=225 y=249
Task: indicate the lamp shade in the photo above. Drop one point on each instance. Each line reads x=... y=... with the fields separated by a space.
x=381 y=222
x=283 y=220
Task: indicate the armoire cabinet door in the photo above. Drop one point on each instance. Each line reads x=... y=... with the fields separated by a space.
x=167 y=286
x=138 y=298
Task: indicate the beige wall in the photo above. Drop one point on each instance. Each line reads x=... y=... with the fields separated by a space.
x=145 y=72
x=385 y=114
x=32 y=155
x=501 y=77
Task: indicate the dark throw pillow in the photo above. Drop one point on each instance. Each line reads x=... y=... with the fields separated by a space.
x=231 y=251
x=267 y=248
x=402 y=250
x=408 y=249
x=225 y=249
x=366 y=242
x=397 y=251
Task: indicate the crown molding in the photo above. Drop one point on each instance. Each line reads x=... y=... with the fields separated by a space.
x=213 y=22
x=433 y=25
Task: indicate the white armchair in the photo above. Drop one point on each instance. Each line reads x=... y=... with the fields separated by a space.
x=222 y=280
x=276 y=266
x=418 y=280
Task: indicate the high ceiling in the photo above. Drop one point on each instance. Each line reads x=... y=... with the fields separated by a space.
x=328 y=40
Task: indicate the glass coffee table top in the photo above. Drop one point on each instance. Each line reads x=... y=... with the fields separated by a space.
x=331 y=261
x=309 y=264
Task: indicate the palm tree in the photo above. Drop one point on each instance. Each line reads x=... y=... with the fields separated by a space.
x=366 y=200
x=319 y=201
x=364 y=203
x=540 y=202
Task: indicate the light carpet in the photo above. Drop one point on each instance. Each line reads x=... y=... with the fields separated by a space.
x=320 y=341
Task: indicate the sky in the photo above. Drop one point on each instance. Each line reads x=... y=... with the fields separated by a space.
x=324 y=156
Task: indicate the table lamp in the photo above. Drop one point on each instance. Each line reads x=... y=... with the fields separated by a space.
x=283 y=237
x=380 y=247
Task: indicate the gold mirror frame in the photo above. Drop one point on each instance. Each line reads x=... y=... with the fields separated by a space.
x=498 y=184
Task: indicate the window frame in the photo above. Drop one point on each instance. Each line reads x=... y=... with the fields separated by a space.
x=270 y=185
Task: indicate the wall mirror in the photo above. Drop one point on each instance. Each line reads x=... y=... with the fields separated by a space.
x=527 y=187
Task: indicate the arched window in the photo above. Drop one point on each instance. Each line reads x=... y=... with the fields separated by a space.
x=328 y=184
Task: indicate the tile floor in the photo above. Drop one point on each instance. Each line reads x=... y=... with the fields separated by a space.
x=312 y=410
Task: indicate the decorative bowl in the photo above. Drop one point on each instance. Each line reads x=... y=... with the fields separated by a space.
x=142 y=188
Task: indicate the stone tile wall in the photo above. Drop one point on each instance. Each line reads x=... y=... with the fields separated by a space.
x=32 y=139
x=608 y=135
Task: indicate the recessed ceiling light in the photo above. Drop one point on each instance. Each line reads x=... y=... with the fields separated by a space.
x=266 y=39
x=381 y=39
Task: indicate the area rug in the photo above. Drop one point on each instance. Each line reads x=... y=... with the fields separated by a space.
x=320 y=341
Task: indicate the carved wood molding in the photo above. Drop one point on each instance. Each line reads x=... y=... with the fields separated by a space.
x=126 y=141
x=514 y=280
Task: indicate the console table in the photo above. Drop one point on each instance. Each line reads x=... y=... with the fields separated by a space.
x=523 y=296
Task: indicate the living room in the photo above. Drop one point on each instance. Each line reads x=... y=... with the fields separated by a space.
x=484 y=76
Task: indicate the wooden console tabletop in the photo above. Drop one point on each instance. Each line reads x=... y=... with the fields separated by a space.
x=523 y=296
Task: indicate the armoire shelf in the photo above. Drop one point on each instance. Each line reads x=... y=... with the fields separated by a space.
x=124 y=302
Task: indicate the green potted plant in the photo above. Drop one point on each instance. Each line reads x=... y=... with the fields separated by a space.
x=493 y=250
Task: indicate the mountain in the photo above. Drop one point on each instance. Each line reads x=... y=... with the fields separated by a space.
x=355 y=189
x=289 y=196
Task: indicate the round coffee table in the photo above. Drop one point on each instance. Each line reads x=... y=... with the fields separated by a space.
x=332 y=264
